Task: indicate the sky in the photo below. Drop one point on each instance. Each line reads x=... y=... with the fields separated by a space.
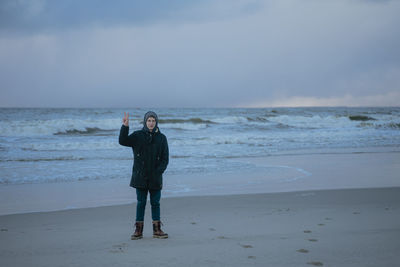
x=199 y=53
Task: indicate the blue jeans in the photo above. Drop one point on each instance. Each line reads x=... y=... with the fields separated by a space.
x=155 y=196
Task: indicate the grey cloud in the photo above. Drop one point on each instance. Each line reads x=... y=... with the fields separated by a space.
x=36 y=16
x=244 y=53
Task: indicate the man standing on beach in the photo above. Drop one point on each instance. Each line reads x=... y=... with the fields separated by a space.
x=151 y=155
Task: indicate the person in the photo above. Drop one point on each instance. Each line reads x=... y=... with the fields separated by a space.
x=151 y=156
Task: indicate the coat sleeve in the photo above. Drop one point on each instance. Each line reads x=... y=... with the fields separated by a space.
x=124 y=138
x=164 y=157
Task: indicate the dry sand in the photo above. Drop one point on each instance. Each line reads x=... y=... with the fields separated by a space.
x=353 y=227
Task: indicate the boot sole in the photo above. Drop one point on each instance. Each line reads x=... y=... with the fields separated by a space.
x=161 y=237
x=136 y=238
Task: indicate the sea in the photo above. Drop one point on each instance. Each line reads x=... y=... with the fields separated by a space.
x=66 y=158
x=53 y=145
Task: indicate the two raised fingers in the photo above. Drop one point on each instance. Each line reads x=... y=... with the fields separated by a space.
x=125 y=120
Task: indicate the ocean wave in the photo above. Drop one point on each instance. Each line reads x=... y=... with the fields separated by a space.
x=257 y=119
x=88 y=131
x=42 y=159
x=391 y=125
x=361 y=118
x=59 y=127
x=230 y=120
x=191 y=120
x=71 y=146
x=283 y=126
x=310 y=122
x=183 y=126
x=383 y=111
x=219 y=140
x=198 y=123
x=366 y=125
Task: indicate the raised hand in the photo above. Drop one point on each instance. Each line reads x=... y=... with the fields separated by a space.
x=125 y=119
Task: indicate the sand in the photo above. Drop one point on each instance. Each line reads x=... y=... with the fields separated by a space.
x=346 y=227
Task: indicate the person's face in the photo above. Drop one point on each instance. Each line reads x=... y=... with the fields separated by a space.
x=151 y=123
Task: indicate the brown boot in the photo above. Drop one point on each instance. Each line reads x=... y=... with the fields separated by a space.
x=157 y=232
x=138 y=234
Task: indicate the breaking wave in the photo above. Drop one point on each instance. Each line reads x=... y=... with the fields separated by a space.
x=391 y=125
x=87 y=131
x=361 y=118
x=191 y=120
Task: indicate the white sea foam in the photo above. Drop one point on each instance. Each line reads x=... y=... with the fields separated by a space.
x=230 y=119
x=183 y=126
x=315 y=121
x=51 y=127
x=72 y=146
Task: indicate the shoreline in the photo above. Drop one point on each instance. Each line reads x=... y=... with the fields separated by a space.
x=277 y=173
x=346 y=227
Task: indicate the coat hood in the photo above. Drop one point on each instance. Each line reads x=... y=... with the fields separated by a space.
x=146 y=116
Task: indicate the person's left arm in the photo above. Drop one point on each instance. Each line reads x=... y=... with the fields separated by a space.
x=163 y=157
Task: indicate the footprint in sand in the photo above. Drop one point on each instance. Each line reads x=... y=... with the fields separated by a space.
x=281 y=210
x=312 y=240
x=315 y=263
x=4 y=230
x=118 y=248
x=123 y=245
x=251 y=257
x=328 y=219
x=356 y=212
x=307 y=231
x=321 y=224
x=193 y=223
x=246 y=246
x=302 y=250
x=211 y=229
x=222 y=237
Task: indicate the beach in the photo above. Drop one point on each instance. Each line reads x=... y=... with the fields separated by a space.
x=353 y=227
x=267 y=131
x=344 y=212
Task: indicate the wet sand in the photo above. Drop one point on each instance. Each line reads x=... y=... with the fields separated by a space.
x=308 y=170
x=346 y=227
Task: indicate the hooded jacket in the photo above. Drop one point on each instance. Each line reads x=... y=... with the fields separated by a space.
x=150 y=155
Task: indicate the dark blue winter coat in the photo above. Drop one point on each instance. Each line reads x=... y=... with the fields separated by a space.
x=151 y=156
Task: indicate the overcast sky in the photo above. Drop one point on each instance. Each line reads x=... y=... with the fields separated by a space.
x=200 y=53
